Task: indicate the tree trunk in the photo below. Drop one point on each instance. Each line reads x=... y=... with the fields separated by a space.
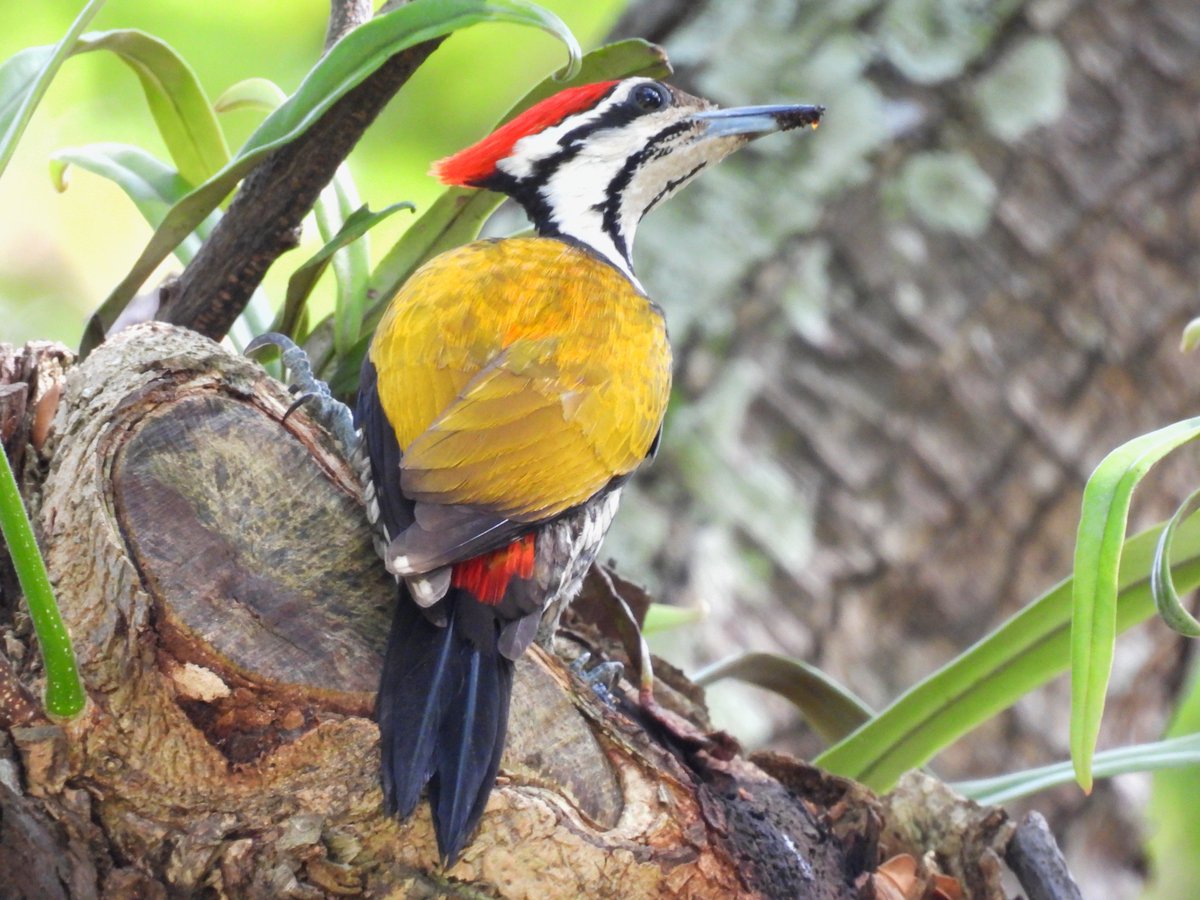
x=215 y=570
x=912 y=338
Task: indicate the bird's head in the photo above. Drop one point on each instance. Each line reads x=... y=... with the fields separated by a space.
x=588 y=162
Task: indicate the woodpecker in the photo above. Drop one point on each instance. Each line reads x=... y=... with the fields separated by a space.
x=510 y=390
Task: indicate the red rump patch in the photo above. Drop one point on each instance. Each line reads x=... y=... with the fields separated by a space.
x=469 y=167
x=486 y=577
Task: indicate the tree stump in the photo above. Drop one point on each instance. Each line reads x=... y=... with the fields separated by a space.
x=217 y=574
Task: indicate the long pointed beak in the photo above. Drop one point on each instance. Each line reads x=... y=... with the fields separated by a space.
x=754 y=121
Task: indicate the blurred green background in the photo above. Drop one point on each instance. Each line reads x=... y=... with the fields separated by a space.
x=60 y=254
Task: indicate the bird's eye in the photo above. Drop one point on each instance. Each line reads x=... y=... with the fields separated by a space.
x=649 y=97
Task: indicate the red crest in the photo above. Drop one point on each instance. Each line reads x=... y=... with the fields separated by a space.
x=469 y=167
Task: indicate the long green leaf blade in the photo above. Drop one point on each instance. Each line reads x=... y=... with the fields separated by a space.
x=1165 y=754
x=1102 y=525
x=152 y=185
x=369 y=46
x=1022 y=654
x=346 y=65
x=830 y=708
x=24 y=78
x=352 y=261
x=65 y=697
x=177 y=102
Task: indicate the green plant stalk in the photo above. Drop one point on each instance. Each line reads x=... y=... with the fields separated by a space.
x=1171 y=753
x=1174 y=847
x=64 y=691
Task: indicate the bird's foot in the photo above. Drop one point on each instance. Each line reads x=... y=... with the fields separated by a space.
x=670 y=725
x=329 y=412
x=602 y=678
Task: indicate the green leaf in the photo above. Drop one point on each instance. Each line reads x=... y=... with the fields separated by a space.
x=369 y=46
x=1102 y=524
x=253 y=93
x=1166 y=754
x=1191 y=336
x=177 y=101
x=457 y=215
x=1170 y=609
x=1174 y=847
x=1022 y=654
x=255 y=319
x=830 y=708
x=303 y=280
x=662 y=617
x=24 y=78
x=346 y=65
x=65 y=697
x=351 y=263
x=152 y=185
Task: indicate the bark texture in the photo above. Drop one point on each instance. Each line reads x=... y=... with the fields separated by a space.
x=913 y=335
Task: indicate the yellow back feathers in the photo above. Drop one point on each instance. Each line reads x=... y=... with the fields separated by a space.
x=520 y=377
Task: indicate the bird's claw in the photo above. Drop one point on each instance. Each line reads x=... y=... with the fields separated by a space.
x=299 y=401
x=602 y=678
x=324 y=408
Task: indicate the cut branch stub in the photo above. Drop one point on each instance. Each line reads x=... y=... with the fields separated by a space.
x=264 y=599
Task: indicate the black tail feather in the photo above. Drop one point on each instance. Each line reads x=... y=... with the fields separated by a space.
x=443 y=714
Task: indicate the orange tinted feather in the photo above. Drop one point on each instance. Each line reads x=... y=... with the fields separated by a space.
x=486 y=577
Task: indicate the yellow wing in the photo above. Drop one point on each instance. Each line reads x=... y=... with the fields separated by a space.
x=520 y=377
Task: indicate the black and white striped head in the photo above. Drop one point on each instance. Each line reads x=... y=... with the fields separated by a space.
x=589 y=162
